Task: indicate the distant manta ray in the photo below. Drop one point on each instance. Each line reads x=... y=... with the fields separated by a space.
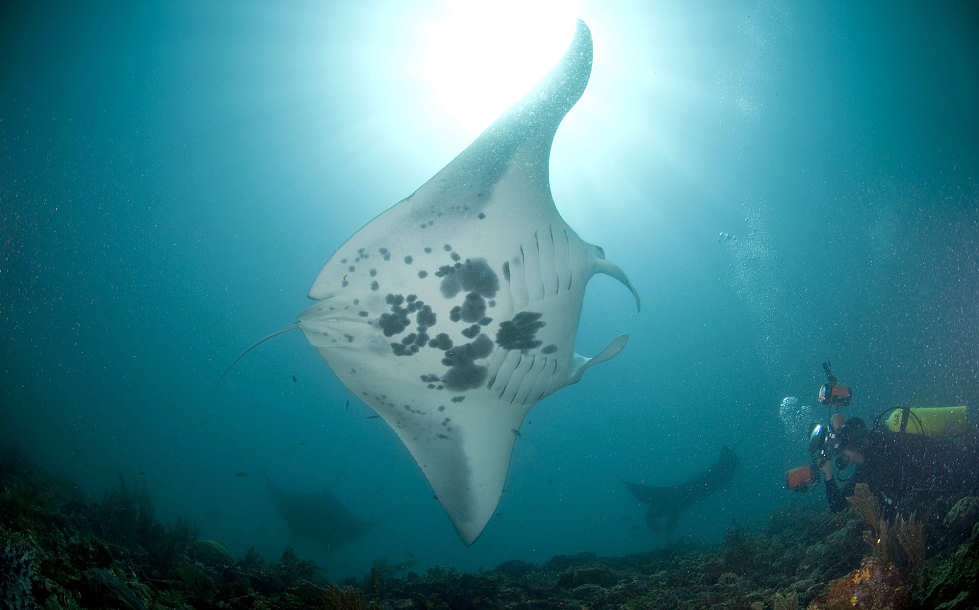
x=455 y=311
x=666 y=503
x=319 y=517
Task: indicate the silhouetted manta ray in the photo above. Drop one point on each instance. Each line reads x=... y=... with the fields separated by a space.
x=318 y=516
x=666 y=503
x=452 y=313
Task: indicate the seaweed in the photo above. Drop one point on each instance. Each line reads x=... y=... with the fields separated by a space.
x=910 y=535
x=864 y=503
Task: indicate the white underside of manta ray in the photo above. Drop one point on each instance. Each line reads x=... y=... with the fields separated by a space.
x=455 y=311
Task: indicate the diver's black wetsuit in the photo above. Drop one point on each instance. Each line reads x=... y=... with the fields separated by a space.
x=897 y=466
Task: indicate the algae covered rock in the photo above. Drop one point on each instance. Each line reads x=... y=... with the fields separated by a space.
x=961 y=517
x=211 y=554
x=954 y=583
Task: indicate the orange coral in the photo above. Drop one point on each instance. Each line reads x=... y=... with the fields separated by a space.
x=875 y=585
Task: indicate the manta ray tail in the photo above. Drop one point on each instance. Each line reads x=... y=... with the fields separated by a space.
x=663 y=502
x=256 y=344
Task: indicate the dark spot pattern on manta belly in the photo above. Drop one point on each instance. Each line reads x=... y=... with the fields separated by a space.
x=408 y=260
x=458 y=398
x=423 y=274
x=428 y=250
x=548 y=349
x=471 y=332
x=464 y=373
x=472 y=276
x=375 y=285
x=480 y=216
x=426 y=317
x=397 y=320
x=441 y=341
x=473 y=308
x=519 y=332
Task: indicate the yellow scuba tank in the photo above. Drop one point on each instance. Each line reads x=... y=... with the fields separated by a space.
x=929 y=421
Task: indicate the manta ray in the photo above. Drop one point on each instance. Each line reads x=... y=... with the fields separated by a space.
x=455 y=311
x=318 y=516
x=666 y=503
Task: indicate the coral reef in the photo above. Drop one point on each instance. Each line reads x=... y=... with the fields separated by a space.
x=17 y=571
x=61 y=550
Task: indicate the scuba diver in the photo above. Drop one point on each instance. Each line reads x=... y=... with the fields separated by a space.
x=908 y=453
x=896 y=466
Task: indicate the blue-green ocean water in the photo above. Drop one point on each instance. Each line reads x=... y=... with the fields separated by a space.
x=173 y=175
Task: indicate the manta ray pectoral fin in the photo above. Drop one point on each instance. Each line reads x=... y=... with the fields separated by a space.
x=611 y=269
x=466 y=460
x=583 y=363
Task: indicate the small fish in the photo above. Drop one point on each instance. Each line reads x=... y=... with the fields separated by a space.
x=372 y=417
x=241 y=473
x=294 y=379
x=515 y=431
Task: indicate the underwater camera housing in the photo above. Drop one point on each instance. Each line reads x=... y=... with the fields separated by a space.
x=823 y=445
x=832 y=393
